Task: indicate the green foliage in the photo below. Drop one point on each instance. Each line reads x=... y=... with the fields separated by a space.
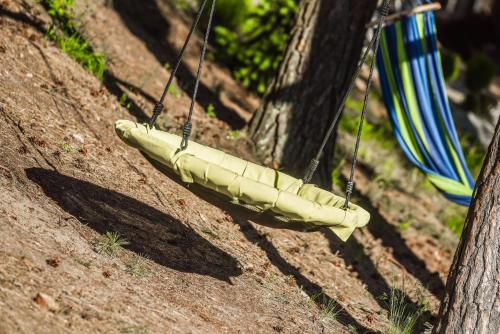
x=255 y=48
x=125 y=101
x=211 y=111
x=337 y=173
x=481 y=70
x=64 y=31
x=232 y=12
x=474 y=154
x=454 y=217
x=451 y=65
x=110 y=244
x=67 y=148
x=234 y=134
x=381 y=132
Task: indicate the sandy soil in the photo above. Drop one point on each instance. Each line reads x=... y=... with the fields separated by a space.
x=66 y=179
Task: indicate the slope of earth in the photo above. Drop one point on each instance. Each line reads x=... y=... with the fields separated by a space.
x=188 y=266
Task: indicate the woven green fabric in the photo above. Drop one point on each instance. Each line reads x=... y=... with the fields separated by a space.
x=244 y=181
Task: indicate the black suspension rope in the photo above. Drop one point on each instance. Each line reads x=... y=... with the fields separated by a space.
x=158 y=109
x=186 y=131
x=315 y=162
x=373 y=45
x=384 y=11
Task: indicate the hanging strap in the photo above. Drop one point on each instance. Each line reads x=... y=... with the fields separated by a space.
x=373 y=45
x=186 y=131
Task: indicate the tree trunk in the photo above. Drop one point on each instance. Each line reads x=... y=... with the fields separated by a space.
x=320 y=59
x=472 y=301
x=464 y=8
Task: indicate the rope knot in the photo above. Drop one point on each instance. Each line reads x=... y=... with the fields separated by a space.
x=386 y=7
x=157 y=110
x=186 y=133
x=349 y=188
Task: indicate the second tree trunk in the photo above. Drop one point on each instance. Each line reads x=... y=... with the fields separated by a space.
x=320 y=59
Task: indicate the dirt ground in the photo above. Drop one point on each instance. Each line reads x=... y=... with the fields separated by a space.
x=66 y=179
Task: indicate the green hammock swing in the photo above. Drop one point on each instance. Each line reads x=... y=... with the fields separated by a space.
x=289 y=200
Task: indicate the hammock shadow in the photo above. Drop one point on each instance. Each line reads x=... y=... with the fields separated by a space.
x=311 y=289
x=144 y=19
x=156 y=234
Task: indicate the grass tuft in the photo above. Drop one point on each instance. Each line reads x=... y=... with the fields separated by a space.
x=65 y=32
x=135 y=330
x=138 y=267
x=329 y=308
x=110 y=244
x=402 y=317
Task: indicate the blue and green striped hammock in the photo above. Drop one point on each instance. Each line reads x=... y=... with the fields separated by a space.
x=414 y=93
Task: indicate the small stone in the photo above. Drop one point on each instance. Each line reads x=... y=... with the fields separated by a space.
x=78 y=137
x=54 y=261
x=46 y=302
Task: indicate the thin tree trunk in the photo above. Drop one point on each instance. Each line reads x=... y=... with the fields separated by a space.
x=472 y=301
x=324 y=48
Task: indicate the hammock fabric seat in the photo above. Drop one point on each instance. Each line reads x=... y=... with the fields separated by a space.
x=263 y=188
x=415 y=96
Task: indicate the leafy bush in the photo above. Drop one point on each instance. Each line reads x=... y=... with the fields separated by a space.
x=232 y=12
x=255 y=48
x=64 y=32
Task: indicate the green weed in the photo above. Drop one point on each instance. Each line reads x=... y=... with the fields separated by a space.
x=211 y=111
x=329 y=308
x=65 y=32
x=138 y=266
x=210 y=233
x=454 y=217
x=272 y=278
x=402 y=317
x=234 y=134
x=125 y=101
x=67 y=148
x=110 y=244
x=135 y=330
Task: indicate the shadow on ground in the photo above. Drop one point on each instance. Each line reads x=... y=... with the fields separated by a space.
x=150 y=232
x=312 y=289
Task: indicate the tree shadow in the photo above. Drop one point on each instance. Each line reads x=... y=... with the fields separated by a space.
x=112 y=83
x=144 y=19
x=22 y=17
x=156 y=234
x=311 y=289
x=380 y=228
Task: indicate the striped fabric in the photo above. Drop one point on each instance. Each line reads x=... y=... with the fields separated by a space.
x=414 y=93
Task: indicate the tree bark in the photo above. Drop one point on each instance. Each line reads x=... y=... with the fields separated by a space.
x=472 y=301
x=320 y=59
